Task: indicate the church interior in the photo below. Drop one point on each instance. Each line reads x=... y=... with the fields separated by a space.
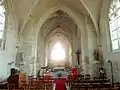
x=59 y=44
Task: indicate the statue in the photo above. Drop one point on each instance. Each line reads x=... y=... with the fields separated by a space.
x=98 y=56
x=19 y=58
x=32 y=65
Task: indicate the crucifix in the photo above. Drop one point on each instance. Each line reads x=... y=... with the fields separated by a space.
x=78 y=53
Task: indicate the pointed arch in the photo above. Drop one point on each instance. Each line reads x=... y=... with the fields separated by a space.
x=58 y=52
x=2 y=25
x=94 y=22
x=114 y=23
x=2 y=19
x=55 y=9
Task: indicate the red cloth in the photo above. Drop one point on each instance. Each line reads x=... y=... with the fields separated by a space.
x=75 y=72
x=60 y=84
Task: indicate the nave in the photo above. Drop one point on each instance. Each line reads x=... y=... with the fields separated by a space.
x=60 y=44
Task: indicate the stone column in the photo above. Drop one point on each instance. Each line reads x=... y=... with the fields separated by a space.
x=83 y=47
x=69 y=54
x=74 y=48
x=41 y=51
x=92 y=65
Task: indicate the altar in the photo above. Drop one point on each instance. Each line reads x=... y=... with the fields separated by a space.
x=59 y=71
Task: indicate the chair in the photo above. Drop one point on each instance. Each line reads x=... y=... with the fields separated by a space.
x=11 y=86
x=87 y=77
x=81 y=77
x=48 y=82
x=13 y=81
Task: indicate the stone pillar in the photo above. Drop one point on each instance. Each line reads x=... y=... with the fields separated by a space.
x=69 y=55
x=41 y=51
x=74 y=48
x=92 y=44
x=83 y=47
x=31 y=69
x=47 y=51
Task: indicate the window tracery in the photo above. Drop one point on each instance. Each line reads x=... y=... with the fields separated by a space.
x=114 y=22
x=2 y=23
x=2 y=19
x=58 y=52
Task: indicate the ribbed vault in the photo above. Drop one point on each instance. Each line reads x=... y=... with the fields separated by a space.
x=59 y=20
x=60 y=27
x=72 y=23
x=38 y=8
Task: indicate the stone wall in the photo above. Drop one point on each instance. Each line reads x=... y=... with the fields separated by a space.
x=8 y=54
x=106 y=44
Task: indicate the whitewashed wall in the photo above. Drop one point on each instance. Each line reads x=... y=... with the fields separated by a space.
x=106 y=44
x=8 y=54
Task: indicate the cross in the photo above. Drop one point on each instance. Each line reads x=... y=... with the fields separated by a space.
x=78 y=53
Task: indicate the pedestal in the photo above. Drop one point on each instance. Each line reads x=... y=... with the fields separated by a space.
x=95 y=69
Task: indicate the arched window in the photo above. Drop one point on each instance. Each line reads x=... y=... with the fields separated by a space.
x=114 y=22
x=2 y=19
x=58 y=52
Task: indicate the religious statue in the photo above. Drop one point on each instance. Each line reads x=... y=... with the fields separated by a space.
x=32 y=65
x=19 y=58
x=98 y=56
x=87 y=59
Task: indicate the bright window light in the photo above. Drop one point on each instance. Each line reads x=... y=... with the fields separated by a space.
x=2 y=20
x=114 y=22
x=58 y=53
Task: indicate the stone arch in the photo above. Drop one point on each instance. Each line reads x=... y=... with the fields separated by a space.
x=53 y=10
x=105 y=26
x=52 y=41
x=95 y=24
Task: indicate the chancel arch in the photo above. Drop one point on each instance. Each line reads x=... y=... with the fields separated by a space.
x=38 y=34
x=58 y=28
x=62 y=23
x=65 y=9
x=51 y=48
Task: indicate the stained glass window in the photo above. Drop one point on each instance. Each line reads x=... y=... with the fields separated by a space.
x=114 y=22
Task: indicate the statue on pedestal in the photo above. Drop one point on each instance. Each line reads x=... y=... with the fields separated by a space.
x=32 y=65
x=98 y=55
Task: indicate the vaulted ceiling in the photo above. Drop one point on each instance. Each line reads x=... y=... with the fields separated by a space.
x=25 y=9
x=61 y=21
x=59 y=27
